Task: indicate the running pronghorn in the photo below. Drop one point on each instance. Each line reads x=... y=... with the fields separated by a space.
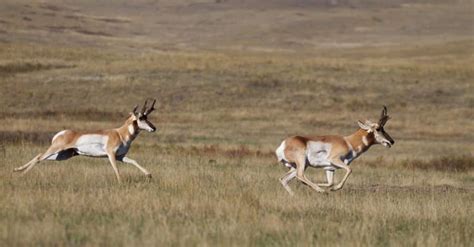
x=111 y=143
x=330 y=152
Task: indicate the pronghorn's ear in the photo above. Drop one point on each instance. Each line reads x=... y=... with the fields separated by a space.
x=364 y=126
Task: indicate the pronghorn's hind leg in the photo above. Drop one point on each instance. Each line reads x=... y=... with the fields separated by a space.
x=52 y=153
x=23 y=167
x=60 y=149
x=300 y=168
x=287 y=178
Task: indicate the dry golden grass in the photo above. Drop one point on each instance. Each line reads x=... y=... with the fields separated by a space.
x=220 y=117
x=215 y=199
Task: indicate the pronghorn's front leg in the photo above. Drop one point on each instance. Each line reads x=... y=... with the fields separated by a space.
x=337 y=162
x=300 y=167
x=112 y=160
x=127 y=160
x=330 y=179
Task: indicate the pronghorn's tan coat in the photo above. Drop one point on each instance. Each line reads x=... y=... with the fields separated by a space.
x=330 y=152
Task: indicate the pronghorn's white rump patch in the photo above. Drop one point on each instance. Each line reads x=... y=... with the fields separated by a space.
x=280 y=152
x=92 y=145
x=57 y=135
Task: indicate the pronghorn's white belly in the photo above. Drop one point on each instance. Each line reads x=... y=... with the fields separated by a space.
x=317 y=153
x=92 y=145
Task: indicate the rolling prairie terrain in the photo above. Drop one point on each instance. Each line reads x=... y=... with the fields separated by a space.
x=233 y=79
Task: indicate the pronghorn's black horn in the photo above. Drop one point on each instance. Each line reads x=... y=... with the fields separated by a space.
x=384 y=112
x=151 y=108
x=383 y=116
x=144 y=107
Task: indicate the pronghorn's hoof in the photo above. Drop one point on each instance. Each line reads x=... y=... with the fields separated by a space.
x=148 y=176
x=336 y=188
x=18 y=169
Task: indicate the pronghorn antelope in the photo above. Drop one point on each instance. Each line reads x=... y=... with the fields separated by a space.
x=330 y=152
x=111 y=143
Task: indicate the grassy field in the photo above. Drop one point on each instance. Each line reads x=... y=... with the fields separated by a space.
x=225 y=102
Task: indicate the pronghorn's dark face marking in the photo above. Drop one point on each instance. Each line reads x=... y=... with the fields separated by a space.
x=381 y=137
x=144 y=124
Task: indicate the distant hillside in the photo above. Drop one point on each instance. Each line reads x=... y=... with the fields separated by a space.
x=235 y=24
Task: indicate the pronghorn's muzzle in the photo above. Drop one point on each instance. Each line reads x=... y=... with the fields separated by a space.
x=388 y=142
x=152 y=127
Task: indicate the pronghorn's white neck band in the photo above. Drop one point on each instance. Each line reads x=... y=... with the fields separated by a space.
x=365 y=141
x=131 y=129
